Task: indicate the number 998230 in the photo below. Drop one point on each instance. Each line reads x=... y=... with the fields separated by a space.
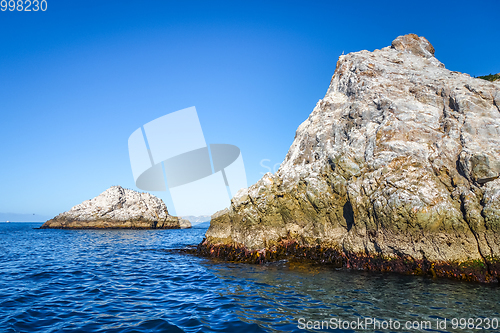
x=23 y=5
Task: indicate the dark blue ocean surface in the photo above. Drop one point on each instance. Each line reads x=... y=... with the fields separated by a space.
x=128 y=281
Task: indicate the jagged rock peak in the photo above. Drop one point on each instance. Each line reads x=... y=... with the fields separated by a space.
x=414 y=44
x=400 y=159
x=118 y=207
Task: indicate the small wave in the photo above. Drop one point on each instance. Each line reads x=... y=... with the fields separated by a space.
x=54 y=281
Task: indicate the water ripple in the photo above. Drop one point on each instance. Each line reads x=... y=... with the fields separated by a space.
x=127 y=281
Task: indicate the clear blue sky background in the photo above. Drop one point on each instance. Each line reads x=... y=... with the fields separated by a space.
x=78 y=79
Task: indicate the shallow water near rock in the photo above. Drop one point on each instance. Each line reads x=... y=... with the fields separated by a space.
x=129 y=281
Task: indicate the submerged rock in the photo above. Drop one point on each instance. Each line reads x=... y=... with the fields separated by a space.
x=395 y=169
x=118 y=208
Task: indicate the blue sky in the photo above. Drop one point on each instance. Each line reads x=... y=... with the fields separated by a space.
x=79 y=78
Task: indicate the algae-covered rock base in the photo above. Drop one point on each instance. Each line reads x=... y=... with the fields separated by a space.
x=118 y=208
x=396 y=169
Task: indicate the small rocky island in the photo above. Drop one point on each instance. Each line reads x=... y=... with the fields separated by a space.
x=118 y=208
x=396 y=169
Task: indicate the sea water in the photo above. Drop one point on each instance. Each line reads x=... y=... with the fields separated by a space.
x=131 y=281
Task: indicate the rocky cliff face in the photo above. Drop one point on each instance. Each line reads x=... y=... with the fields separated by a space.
x=118 y=208
x=395 y=169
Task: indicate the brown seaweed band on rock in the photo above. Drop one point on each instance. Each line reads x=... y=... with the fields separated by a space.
x=473 y=271
x=396 y=169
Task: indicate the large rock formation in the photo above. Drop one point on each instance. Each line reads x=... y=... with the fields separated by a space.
x=395 y=169
x=118 y=208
